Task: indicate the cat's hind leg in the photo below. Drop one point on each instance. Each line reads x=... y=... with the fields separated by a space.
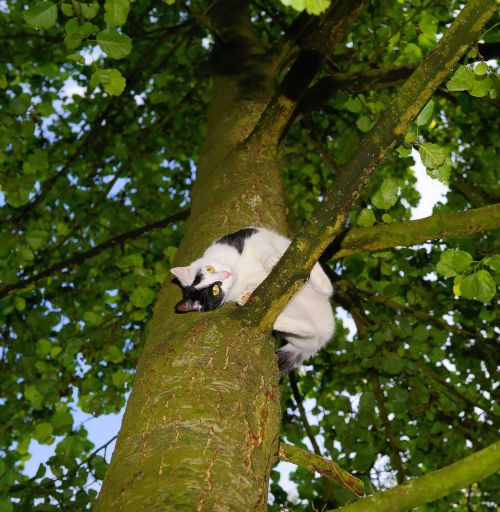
x=320 y=280
x=295 y=326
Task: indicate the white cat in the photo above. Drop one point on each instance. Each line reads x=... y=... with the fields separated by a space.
x=230 y=270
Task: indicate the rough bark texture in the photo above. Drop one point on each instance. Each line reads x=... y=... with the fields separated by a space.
x=327 y=468
x=201 y=427
x=432 y=486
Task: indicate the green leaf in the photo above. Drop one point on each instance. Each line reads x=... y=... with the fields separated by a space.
x=403 y=151
x=114 y=44
x=481 y=86
x=100 y=466
x=462 y=80
x=19 y=303
x=67 y=10
x=387 y=195
x=116 y=12
x=92 y=318
x=428 y=24
x=392 y=364
x=73 y=41
x=6 y=505
x=111 y=80
x=442 y=173
x=90 y=11
x=114 y=354
x=311 y=6
x=426 y=113
x=43 y=347
x=364 y=123
x=62 y=421
x=142 y=297
x=41 y=15
x=480 y=286
x=33 y=396
x=86 y=29
x=55 y=351
x=453 y=262
x=43 y=431
x=119 y=378
x=493 y=262
x=481 y=68
x=432 y=155
x=76 y=57
x=366 y=218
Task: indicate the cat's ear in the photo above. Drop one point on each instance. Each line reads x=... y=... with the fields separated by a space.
x=187 y=305
x=184 y=274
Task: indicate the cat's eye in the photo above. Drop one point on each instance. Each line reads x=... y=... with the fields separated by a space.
x=209 y=269
x=215 y=290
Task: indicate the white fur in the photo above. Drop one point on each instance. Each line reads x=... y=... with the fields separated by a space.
x=306 y=322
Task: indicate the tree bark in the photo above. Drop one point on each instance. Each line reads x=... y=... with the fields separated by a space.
x=200 y=431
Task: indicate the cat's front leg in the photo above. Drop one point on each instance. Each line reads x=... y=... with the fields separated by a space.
x=270 y=259
x=243 y=297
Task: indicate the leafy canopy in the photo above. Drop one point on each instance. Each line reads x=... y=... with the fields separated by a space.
x=101 y=123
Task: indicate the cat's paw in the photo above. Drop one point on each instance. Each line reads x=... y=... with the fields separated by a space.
x=270 y=261
x=243 y=298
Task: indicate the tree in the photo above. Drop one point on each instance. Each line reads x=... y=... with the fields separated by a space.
x=310 y=124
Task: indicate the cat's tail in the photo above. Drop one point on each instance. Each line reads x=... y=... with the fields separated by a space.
x=290 y=357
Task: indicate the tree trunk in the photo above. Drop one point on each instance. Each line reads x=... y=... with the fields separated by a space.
x=202 y=423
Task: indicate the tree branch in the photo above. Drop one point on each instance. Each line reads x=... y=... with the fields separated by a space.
x=302 y=412
x=80 y=257
x=337 y=84
x=432 y=486
x=327 y=468
x=294 y=268
x=320 y=39
x=421 y=315
x=439 y=225
x=451 y=391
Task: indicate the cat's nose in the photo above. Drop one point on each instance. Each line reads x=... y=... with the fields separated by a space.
x=226 y=274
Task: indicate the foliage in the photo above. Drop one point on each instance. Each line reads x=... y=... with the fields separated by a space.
x=102 y=120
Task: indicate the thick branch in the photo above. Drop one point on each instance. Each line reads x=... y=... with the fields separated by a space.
x=80 y=257
x=439 y=225
x=327 y=468
x=319 y=42
x=293 y=270
x=434 y=485
x=337 y=84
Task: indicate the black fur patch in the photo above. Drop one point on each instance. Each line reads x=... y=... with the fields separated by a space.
x=287 y=361
x=204 y=296
x=197 y=278
x=237 y=239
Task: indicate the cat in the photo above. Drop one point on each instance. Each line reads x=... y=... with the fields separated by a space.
x=230 y=270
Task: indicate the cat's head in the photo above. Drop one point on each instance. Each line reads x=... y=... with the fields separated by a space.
x=205 y=285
